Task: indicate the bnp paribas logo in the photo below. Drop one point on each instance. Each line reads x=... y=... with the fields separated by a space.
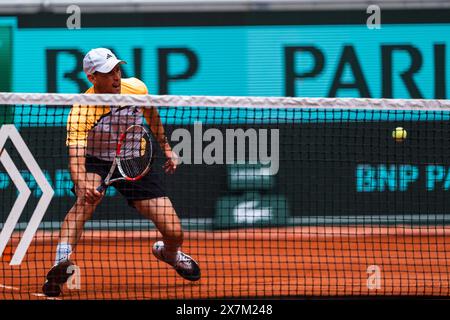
x=9 y=131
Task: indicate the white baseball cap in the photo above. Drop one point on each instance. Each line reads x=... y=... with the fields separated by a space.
x=101 y=60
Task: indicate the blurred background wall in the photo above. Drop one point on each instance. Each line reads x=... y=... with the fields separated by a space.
x=279 y=48
x=322 y=48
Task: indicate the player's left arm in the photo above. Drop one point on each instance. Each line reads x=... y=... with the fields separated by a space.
x=154 y=121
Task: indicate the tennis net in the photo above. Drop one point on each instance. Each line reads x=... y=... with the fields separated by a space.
x=277 y=197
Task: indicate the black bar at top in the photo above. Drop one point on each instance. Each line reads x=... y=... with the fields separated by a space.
x=253 y=18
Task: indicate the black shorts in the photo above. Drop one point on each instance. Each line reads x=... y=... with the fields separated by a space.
x=148 y=187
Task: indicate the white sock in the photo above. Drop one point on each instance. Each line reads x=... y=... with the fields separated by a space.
x=63 y=251
x=171 y=257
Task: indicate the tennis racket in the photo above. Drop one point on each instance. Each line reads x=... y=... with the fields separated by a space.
x=133 y=156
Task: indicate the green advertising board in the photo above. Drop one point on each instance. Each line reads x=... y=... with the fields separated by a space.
x=6 y=113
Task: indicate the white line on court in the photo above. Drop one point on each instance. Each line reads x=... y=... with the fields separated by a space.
x=33 y=294
x=8 y=287
x=43 y=295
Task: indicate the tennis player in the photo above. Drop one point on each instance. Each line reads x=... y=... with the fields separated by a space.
x=91 y=133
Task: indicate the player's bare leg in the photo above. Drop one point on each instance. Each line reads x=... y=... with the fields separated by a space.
x=71 y=231
x=73 y=224
x=163 y=215
x=78 y=215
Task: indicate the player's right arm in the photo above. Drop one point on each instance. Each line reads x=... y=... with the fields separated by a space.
x=78 y=127
x=85 y=183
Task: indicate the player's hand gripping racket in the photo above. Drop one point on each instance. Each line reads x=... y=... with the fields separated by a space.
x=133 y=156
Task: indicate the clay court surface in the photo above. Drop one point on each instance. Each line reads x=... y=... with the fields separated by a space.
x=256 y=263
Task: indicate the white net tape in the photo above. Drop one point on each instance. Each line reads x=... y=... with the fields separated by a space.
x=222 y=101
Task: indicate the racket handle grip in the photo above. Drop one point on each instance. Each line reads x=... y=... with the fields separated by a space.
x=102 y=187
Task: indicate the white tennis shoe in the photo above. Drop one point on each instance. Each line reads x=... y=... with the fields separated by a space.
x=184 y=265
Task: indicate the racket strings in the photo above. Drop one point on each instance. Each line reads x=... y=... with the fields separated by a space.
x=135 y=154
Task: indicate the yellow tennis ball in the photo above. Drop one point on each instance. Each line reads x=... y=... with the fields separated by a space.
x=399 y=134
